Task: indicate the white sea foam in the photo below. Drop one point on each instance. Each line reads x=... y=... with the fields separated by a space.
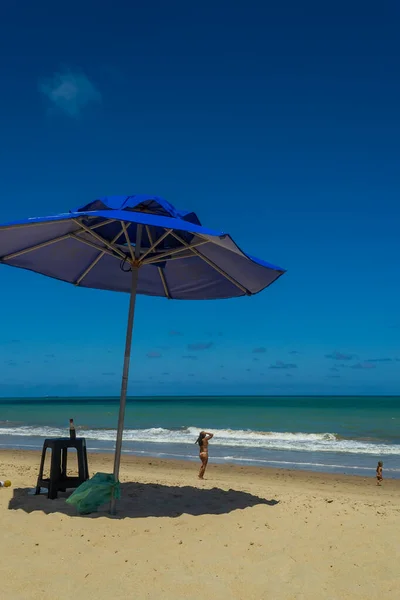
x=273 y=440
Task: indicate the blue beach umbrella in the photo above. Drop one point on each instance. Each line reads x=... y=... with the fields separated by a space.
x=140 y=245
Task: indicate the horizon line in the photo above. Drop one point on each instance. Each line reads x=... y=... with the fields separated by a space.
x=180 y=395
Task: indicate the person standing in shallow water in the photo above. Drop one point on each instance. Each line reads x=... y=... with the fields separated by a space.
x=202 y=441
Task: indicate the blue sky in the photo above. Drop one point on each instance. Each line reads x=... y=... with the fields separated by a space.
x=279 y=125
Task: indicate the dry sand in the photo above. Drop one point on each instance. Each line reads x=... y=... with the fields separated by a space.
x=244 y=533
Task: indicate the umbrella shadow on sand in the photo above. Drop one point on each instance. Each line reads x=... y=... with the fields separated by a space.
x=140 y=500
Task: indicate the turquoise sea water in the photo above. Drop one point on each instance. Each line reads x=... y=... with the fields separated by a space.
x=336 y=434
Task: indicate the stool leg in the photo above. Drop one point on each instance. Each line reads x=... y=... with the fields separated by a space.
x=55 y=472
x=86 y=465
x=81 y=463
x=85 y=462
x=64 y=466
x=40 y=477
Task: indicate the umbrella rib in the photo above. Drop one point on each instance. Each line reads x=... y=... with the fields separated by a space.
x=96 y=260
x=168 y=253
x=101 y=239
x=106 y=222
x=47 y=243
x=164 y=282
x=36 y=247
x=38 y=223
x=128 y=241
x=154 y=245
x=213 y=265
x=154 y=261
x=95 y=246
x=159 y=269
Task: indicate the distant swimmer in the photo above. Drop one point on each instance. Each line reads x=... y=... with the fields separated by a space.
x=202 y=441
x=379 y=476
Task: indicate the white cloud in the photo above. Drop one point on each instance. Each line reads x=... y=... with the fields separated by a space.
x=70 y=92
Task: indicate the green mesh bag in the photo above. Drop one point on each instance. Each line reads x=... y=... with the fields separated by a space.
x=94 y=492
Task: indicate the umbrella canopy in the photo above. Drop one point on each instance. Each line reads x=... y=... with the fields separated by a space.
x=93 y=246
x=137 y=244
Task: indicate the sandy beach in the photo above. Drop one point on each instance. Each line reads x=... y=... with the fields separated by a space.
x=243 y=533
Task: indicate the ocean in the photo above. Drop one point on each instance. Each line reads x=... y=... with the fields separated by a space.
x=318 y=433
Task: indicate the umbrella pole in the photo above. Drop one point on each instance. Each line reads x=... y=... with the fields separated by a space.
x=124 y=384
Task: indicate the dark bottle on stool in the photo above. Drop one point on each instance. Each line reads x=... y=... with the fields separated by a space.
x=72 y=430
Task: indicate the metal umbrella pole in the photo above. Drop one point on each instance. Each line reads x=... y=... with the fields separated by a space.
x=125 y=372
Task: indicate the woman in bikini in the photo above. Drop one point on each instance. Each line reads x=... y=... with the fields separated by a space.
x=202 y=441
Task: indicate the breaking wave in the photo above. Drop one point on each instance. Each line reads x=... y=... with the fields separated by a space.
x=273 y=440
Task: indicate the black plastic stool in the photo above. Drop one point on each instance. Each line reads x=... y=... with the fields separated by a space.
x=58 y=480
